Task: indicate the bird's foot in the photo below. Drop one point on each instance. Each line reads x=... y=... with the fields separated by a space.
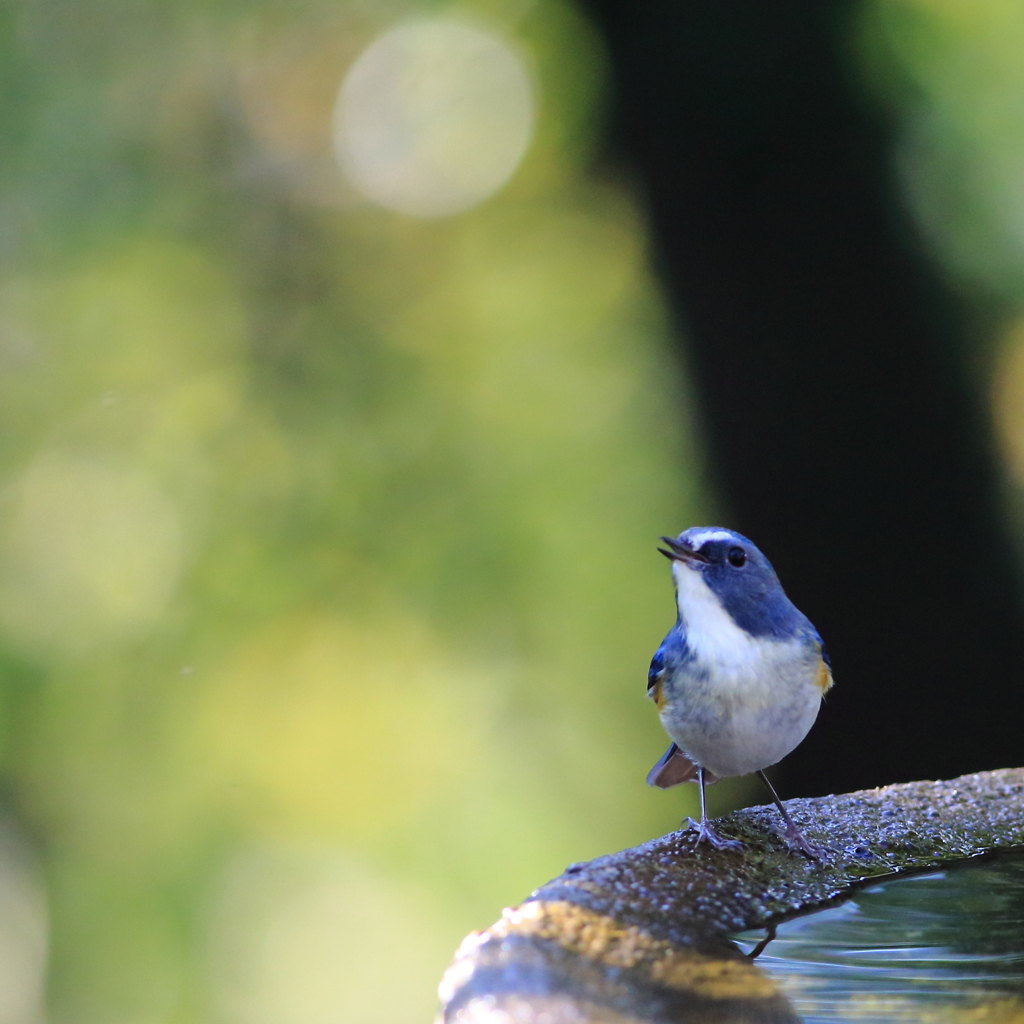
x=799 y=843
x=706 y=834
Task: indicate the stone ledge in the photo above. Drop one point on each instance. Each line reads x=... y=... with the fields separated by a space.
x=642 y=935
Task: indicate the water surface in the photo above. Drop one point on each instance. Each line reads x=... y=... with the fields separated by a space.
x=943 y=946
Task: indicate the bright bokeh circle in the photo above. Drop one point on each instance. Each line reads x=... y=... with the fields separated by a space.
x=433 y=117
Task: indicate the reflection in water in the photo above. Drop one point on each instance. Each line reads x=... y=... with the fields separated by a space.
x=945 y=946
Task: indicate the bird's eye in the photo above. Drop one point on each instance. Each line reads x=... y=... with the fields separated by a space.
x=737 y=557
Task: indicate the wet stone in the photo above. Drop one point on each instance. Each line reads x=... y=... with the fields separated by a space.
x=643 y=935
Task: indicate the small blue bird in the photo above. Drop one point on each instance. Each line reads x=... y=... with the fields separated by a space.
x=739 y=678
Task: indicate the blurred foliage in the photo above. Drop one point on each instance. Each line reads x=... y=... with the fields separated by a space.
x=954 y=74
x=327 y=569
x=951 y=74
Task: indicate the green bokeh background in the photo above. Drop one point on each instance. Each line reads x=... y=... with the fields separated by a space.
x=327 y=568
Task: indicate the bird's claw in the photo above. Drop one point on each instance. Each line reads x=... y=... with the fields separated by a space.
x=799 y=843
x=705 y=833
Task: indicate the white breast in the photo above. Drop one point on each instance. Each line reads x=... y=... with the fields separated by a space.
x=749 y=701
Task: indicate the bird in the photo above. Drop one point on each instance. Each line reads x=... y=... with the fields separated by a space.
x=739 y=678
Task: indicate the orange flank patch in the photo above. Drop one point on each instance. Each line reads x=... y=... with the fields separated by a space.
x=657 y=694
x=824 y=678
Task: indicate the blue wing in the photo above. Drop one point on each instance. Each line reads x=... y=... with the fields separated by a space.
x=824 y=654
x=674 y=767
x=657 y=669
x=672 y=653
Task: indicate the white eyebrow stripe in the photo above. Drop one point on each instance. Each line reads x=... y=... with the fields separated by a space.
x=699 y=539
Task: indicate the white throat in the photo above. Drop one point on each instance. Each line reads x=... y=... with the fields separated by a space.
x=711 y=633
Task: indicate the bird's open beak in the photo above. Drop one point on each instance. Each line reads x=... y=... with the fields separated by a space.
x=679 y=552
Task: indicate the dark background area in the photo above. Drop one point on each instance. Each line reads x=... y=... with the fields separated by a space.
x=831 y=366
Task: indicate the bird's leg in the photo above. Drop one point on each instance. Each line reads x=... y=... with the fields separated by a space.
x=705 y=833
x=794 y=837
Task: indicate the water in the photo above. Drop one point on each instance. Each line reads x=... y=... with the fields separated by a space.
x=942 y=947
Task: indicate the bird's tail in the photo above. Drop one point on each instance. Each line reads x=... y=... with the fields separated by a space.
x=674 y=768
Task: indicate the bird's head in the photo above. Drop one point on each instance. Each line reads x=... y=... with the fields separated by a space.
x=711 y=558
